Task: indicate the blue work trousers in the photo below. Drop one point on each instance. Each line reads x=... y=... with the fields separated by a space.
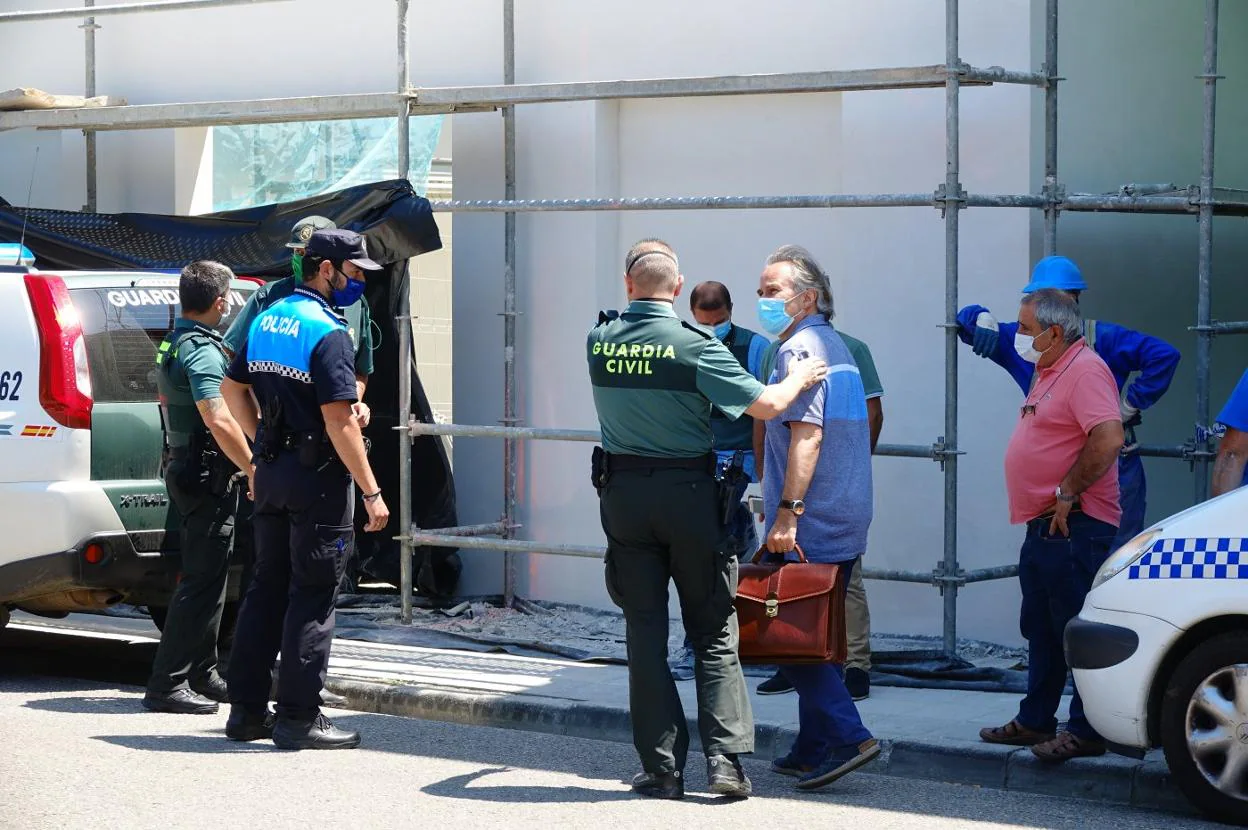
x=827 y=718
x=1131 y=496
x=1055 y=574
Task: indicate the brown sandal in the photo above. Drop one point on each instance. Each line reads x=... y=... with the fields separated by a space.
x=1014 y=734
x=1066 y=746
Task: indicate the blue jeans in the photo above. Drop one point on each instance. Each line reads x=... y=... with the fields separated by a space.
x=827 y=718
x=1131 y=496
x=1055 y=574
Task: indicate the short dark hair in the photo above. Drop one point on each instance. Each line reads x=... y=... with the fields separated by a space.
x=710 y=296
x=202 y=283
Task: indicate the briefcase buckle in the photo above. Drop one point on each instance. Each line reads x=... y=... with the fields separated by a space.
x=773 y=606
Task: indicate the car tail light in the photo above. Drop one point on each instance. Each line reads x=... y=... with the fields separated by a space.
x=94 y=554
x=64 y=380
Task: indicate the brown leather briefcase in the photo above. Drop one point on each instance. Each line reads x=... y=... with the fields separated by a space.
x=791 y=612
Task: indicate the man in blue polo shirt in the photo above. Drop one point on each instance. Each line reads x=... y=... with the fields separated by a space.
x=817 y=496
x=1230 y=470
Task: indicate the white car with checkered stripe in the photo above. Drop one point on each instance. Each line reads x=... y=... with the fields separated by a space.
x=1160 y=651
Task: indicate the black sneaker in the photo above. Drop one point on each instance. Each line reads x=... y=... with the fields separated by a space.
x=212 y=688
x=725 y=776
x=669 y=785
x=245 y=726
x=179 y=702
x=777 y=684
x=859 y=683
x=316 y=734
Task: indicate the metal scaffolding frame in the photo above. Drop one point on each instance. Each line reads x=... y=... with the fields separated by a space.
x=1204 y=200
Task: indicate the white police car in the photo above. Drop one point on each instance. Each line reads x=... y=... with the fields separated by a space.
x=84 y=514
x=1160 y=651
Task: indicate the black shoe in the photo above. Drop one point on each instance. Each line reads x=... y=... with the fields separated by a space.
x=840 y=763
x=245 y=726
x=669 y=785
x=317 y=734
x=725 y=776
x=332 y=700
x=777 y=684
x=179 y=702
x=213 y=688
x=859 y=683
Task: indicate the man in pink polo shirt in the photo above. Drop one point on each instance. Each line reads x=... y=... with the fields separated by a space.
x=1062 y=479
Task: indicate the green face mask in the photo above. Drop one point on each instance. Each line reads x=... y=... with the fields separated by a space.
x=296 y=267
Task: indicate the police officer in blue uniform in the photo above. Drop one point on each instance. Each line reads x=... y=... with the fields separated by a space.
x=1125 y=352
x=298 y=362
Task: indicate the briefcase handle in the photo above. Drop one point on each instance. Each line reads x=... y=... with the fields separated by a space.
x=758 y=556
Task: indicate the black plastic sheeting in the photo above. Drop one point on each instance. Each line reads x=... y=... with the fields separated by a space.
x=398 y=224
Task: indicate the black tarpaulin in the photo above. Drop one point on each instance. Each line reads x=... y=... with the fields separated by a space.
x=398 y=224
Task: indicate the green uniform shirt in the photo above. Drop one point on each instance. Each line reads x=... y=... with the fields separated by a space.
x=359 y=322
x=862 y=357
x=655 y=379
x=190 y=364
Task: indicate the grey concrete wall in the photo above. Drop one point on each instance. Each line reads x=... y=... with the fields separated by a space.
x=1130 y=111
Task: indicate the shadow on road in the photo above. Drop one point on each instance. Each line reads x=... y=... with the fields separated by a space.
x=458 y=787
x=84 y=705
x=202 y=744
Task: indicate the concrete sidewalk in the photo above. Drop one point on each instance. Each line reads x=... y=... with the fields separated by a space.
x=927 y=733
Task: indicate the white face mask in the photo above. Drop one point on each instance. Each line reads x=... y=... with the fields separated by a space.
x=1026 y=347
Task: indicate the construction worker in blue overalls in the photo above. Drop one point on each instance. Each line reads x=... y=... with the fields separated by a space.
x=1124 y=350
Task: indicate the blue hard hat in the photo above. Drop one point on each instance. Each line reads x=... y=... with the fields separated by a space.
x=1056 y=272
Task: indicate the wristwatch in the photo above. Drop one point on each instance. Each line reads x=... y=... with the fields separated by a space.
x=797 y=506
x=1062 y=497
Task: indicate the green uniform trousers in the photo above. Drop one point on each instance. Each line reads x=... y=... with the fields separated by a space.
x=662 y=525
x=188 y=645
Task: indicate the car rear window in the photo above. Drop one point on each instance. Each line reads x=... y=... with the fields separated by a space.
x=124 y=326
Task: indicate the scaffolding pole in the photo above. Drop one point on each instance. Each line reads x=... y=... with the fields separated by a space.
x=127 y=8
x=403 y=134
x=952 y=208
x=89 y=28
x=407 y=550
x=1052 y=192
x=1204 y=300
x=510 y=454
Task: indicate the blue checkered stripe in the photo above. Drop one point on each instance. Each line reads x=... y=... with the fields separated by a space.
x=1193 y=559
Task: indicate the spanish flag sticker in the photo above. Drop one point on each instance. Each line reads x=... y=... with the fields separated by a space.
x=31 y=431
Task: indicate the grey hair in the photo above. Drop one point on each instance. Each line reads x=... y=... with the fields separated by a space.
x=1056 y=308
x=807 y=275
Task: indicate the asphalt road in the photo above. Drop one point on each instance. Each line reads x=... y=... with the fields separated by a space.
x=81 y=752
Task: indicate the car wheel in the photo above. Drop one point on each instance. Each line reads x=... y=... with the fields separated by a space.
x=1204 y=727
x=225 y=635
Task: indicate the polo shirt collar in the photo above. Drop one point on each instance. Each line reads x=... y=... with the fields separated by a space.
x=1071 y=352
x=813 y=320
x=304 y=291
x=652 y=308
x=187 y=324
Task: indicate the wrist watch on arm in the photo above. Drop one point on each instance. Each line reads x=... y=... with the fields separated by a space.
x=796 y=506
x=1067 y=498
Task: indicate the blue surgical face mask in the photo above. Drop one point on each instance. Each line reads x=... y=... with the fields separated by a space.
x=721 y=330
x=772 y=316
x=349 y=293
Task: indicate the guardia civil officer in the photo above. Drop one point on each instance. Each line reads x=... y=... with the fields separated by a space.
x=359 y=327
x=297 y=361
x=654 y=381
x=206 y=447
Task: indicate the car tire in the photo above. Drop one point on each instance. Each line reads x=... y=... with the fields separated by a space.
x=225 y=635
x=1199 y=746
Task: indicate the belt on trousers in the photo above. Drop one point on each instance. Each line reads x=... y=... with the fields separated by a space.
x=617 y=462
x=1049 y=516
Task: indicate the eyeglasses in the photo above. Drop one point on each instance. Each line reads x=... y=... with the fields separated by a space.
x=1028 y=409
